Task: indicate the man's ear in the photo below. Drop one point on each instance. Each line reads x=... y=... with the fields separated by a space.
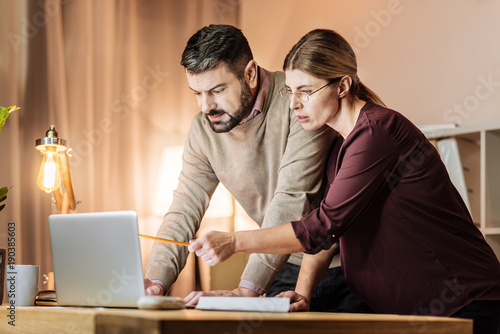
x=344 y=86
x=252 y=74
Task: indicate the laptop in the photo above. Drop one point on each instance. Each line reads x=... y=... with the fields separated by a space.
x=97 y=259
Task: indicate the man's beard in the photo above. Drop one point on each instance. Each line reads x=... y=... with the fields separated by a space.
x=247 y=102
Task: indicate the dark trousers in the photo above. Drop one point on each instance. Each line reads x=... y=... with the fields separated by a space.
x=332 y=294
x=485 y=314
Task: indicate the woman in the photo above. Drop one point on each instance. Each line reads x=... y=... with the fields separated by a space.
x=407 y=242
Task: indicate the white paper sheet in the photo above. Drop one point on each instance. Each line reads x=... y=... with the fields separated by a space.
x=253 y=304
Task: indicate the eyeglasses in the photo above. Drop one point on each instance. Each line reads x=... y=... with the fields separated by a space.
x=286 y=93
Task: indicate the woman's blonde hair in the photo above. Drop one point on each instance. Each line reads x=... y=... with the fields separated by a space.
x=327 y=55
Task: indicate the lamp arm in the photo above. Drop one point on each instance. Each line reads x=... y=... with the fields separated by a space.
x=58 y=196
x=65 y=204
x=66 y=178
x=62 y=202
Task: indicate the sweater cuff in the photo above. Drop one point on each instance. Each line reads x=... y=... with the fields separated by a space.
x=259 y=274
x=160 y=282
x=251 y=286
x=157 y=273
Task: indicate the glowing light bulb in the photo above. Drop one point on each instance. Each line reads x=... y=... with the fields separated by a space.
x=49 y=176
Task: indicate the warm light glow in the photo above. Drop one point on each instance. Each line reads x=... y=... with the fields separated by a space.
x=49 y=176
x=168 y=176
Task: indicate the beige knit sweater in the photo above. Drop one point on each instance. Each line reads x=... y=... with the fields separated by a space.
x=272 y=166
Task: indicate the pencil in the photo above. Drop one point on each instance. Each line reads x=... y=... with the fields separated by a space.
x=164 y=240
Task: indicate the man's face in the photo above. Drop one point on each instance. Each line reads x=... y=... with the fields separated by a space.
x=223 y=99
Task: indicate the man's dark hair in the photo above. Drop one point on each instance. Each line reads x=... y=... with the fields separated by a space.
x=213 y=44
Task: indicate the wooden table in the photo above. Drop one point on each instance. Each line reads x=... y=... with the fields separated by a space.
x=71 y=320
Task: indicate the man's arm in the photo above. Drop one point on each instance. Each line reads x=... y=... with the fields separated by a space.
x=197 y=182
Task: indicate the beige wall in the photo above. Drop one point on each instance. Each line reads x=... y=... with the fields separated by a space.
x=434 y=61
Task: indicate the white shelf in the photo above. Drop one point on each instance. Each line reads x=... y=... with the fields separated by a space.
x=491 y=231
x=479 y=154
x=460 y=130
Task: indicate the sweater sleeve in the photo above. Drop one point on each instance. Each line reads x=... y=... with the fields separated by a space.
x=299 y=185
x=368 y=163
x=197 y=183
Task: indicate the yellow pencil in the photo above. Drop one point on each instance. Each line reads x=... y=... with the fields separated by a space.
x=165 y=240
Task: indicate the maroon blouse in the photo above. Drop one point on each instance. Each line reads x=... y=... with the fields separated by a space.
x=407 y=241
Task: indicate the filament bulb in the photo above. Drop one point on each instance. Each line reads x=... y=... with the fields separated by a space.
x=49 y=176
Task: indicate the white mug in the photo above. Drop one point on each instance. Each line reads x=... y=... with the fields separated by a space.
x=21 y=282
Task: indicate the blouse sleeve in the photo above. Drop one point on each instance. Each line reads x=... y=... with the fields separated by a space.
x=367 y=163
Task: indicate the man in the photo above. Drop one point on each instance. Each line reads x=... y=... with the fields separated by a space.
x=247 y=138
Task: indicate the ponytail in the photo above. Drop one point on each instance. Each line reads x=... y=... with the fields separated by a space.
x=366 y=94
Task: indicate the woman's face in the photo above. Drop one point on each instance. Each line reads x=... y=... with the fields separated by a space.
x=322 y=107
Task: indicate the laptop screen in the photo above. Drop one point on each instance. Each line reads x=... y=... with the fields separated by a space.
x=97 y=259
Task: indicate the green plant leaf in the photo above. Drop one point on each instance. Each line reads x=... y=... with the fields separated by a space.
x=3 y=196
x=4 y=112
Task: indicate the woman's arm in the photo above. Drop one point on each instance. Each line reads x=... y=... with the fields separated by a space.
x=215 y=247
x=312 y=270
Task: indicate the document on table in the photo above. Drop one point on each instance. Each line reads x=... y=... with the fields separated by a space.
x=252 y=304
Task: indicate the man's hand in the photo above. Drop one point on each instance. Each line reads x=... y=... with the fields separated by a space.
x=193 y=297
x=297 y=302
x=153 y=289
x=214 y=247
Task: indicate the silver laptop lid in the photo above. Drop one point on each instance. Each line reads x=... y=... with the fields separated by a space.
x=97 y=259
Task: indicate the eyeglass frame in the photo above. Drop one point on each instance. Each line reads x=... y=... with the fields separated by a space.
x=307 y=95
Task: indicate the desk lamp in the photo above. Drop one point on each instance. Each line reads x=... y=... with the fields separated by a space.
x=54 y=168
